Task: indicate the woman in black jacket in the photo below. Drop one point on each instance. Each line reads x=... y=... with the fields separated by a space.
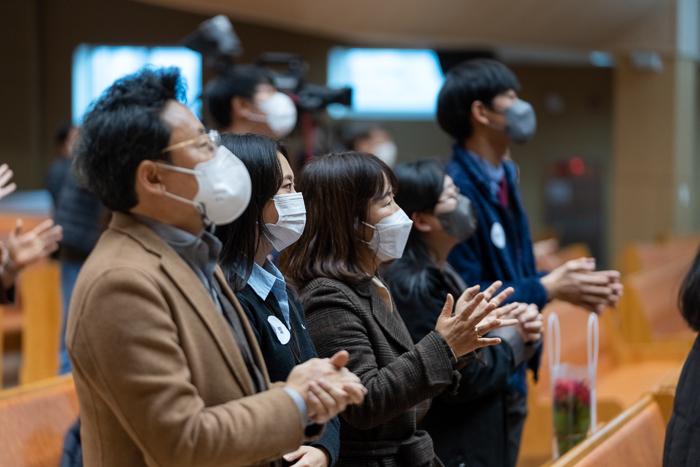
x=682 y=448
x=468 y=428
x=275 y=218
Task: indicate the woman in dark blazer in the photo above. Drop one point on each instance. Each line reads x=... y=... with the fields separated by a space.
x=682 y=448
x=353 y=225
x=275 y=217
x=419 y=280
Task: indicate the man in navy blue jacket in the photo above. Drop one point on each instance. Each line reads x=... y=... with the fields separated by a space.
x=478 y=106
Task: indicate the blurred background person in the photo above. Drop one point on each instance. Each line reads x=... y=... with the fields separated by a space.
x=65 y=140
x=469 y=427
x=274 y=218
x=83 y=218
x=245 y=100
x=372 y=138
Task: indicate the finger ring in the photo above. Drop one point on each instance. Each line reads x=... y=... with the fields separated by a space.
x=476 y=331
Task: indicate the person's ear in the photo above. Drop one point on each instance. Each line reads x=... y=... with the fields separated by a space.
x=479 y=113
x=240 y=107
x=148 y=179
x=419 y=222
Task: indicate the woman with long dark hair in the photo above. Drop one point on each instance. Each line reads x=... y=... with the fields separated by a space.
x=353 y=226
x=682 y=447
x=274 y=218
x=419 y=280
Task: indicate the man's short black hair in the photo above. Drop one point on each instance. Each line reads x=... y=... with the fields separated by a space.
x=63 y=131
x=123 y=128
x=474 y=80
x=240 y=81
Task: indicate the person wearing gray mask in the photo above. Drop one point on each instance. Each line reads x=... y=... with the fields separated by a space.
x=460 y=222
x=480 y=108
x=418 y=281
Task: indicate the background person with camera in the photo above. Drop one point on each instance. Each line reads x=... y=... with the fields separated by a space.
x=245 y=100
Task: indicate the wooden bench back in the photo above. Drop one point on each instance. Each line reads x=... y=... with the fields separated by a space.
x=640 y=256
x=649 y=308
x=34 y=421
x=635 y=438
x=40 y=296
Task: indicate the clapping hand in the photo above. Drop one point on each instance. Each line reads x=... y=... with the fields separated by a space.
x=474 y=317
x=530 y=324
x=326 y=386
x=578 y=283
x=38 y=243
x=5 y=176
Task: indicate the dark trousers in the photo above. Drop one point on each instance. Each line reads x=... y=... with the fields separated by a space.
x=517 y=413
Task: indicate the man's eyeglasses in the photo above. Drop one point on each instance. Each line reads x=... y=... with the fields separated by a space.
x=211 y=138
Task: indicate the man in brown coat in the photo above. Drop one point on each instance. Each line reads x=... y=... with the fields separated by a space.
x=166 y=367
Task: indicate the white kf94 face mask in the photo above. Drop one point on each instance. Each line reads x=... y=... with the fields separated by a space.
x=280 y=114
x=291 y=222
x=390 y=236
x=224 y=187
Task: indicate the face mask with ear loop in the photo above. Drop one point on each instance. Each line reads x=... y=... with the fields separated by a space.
x=224 y=187
x=521 y=122
x=291 y=220
x=386 y=152
x=280 y=114
x=461 y=221
x=390 y=236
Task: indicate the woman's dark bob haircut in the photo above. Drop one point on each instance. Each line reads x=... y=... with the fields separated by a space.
x=241 y=238
x=338 y=189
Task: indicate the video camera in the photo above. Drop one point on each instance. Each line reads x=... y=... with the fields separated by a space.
x=218 y=43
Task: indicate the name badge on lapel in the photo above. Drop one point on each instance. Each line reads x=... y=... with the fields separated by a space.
x=280 y=329
x=498 y=235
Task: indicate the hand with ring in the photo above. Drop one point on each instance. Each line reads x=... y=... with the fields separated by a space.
x=475 y=315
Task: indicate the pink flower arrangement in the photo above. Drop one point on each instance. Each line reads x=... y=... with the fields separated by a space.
x=567 y=389
x=572 y=400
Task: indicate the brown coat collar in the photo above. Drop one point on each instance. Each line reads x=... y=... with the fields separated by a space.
x=198 y=296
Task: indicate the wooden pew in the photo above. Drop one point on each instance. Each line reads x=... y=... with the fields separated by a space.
x=642 y=256
x=625 y=373
x=34 y=420
x=619 y=442
x=40 y=296
x=635 y=438
x=648 y=311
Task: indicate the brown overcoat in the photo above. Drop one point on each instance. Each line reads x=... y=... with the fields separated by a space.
x=159 y=376
x=401 y=378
